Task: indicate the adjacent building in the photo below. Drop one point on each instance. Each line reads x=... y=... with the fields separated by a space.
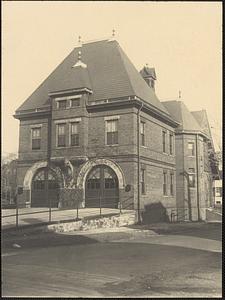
x=195 y=171
x=99 y=126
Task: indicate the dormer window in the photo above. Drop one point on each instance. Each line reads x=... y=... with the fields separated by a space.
x=152 y=83
x=75 y=102
x=61 y=104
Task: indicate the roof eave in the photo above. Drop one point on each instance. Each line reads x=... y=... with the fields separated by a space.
x=82 y=89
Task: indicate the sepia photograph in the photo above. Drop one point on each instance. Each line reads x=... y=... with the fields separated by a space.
x=111 y=165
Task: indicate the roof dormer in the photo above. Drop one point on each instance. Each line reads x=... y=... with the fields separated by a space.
x=149 y=76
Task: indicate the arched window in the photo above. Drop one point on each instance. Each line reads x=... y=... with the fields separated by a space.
x=110 y=179
x=40 y=180
x=93 y=180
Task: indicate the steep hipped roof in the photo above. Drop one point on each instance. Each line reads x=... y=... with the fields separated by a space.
x=109 y=74
x=180 y=112
x=202 y=119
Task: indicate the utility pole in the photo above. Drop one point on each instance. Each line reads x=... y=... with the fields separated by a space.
x=197 y=177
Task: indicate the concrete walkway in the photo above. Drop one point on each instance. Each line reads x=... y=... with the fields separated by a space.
x=177 y=240
x=29 y=216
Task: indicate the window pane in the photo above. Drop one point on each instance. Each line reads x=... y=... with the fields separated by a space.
x=191 y=149
x=74 y=139
x=112 y=126
x=192 y=180
x=74 y=128
x=164 y=141
x=142 y=127
x=171 y=184
x=36 y=144
x=36 y=132
x=61 y=129
x=75 y=102
x=62 y=104
x=61 y=141
x=171 y=144
x=164 y=184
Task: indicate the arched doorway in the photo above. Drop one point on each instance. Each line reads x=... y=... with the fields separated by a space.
x=39 y=195
x=101 y=184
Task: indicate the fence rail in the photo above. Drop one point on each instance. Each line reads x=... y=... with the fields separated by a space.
x=19 y=216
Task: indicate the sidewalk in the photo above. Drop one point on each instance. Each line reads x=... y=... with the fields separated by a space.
x=177 y=240
x=31 y=216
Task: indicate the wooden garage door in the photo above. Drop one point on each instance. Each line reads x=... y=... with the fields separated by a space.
x=102 y=185
x=39 y=195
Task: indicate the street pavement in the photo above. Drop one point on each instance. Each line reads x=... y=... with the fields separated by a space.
x=113 y=263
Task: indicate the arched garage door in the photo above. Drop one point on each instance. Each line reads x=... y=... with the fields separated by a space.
x=102 y=184
x=39 y=195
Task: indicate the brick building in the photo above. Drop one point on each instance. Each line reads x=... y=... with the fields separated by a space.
x=194 y=171
x=97 y=122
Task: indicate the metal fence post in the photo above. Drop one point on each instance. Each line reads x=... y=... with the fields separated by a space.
x=77 y=209
x=17 y=213
x=49 y=198
x=100 y=205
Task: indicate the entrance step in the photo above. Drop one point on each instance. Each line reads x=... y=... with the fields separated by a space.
x=119 y=220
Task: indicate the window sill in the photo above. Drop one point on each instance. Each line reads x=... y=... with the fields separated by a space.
x=66 y=147
x=145 y=147
x=113 y=145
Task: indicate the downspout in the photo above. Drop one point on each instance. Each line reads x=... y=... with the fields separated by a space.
x=197 y=176
x=138 y=162
x=49 y=144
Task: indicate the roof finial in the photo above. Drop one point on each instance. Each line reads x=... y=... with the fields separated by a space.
x=79 y=63
x=113 y=33
x=179 y=94
x=146 y=64
x=79 y=39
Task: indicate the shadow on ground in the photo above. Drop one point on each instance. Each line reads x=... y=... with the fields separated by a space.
x=45 y=240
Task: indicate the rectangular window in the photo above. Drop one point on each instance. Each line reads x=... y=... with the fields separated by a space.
x=171 y=143
x=218 y=191
x=61 y=134
x=61 y=104
x=112 y=132
x=143 y=181
x=142 y=130
x=75 y=102
x=191 y=175
x=164 y=183
x=74 y=134
x=171 y=184
x=191 y=150
x=164 y=141
x=36 y=138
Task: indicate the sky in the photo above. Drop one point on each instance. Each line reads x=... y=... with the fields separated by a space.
x=182 y=40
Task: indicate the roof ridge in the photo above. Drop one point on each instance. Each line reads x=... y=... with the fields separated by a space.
x=119 y=48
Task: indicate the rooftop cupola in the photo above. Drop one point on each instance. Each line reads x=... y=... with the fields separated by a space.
x=149 y=76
